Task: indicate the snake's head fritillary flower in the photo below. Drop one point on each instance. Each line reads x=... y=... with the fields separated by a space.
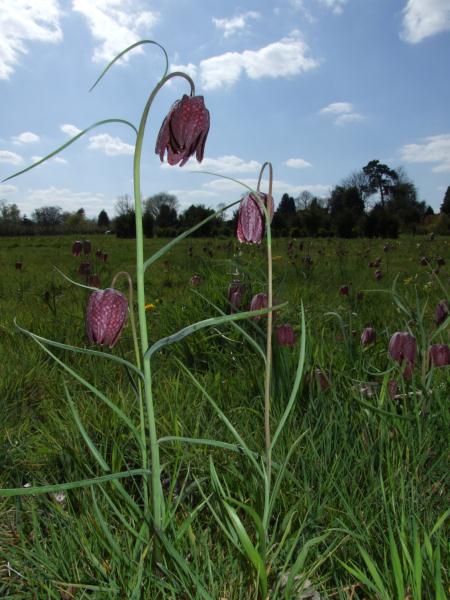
x=93 y=280
x=235 y=294
x=392 y=388
x=77 y=247
x=184 y=131
x=285 y=335
x=105 y=316
x=86 y=247
x=322 y=380
x=368 y=336
x=403 y=347
x=251 y=220
x=439 y=355
x=343 y=290
x=442 y=312
x=19 y=265
x=195 y=279
x=258 y=302
x=378 y=274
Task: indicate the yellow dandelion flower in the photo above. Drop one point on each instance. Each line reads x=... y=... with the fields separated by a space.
x=150 y=307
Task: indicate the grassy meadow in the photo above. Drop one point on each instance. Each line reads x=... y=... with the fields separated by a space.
x=361 y=511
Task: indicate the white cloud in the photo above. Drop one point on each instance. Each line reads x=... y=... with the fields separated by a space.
x=279 y=187
x=297 y=163
x=222 y=164
x=424 y=18
x=66 y=198
x=111 y=146
x=235 y=24
x=343 y=112
x=116 y=24
x=335 y=5
x=60 y=160
x=10 y=158
x=70 y=130
x=284 y=58
x=24 y=21
x=7 y=189
x=56 y=159
x=434 y=149
x=190 y=69
x=27 y=137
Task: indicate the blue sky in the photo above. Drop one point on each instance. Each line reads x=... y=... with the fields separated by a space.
x=317 y=87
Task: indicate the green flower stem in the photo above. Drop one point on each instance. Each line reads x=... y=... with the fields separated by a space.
x=157 y=495
x=268 y=369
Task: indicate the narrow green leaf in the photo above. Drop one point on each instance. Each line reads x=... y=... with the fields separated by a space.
x=71 y=141
x=202 y=442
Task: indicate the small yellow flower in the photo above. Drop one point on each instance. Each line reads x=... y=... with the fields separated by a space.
x=408 y=280
x=150 y=307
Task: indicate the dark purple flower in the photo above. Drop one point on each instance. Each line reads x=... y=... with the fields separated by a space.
x=368 y=336
x=424 y=261
x=322 y=380
x=285 y=335
x=378 y=274
x=77 y=247
x=258 y=302
x=184 y=131
x=441 y=312
x=93 y=280
x=105 y=316
x=343 y=290
x=98 y=253
x=392 y=388
x=439 y=355
x=403 y=347
x=19 y=265
x=235 y=294
x=104 y=256
x=84 y=268
x=440 y=261
x=195 y=279
x=86 y=247
x=251 y=220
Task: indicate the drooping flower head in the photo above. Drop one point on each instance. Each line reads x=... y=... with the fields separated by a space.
x=441 y=312
x=251 y=220
x=439 y=355
x=19 y=265
x=105 y=316
x=236 y=291
x=184 y=131
x=285 y=335
x=258 y=302
x=403 y=347
x=86 y=247
x=343 y=290
x=77 y=247
x=368 y=336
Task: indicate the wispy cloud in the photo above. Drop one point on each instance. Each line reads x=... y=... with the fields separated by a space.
x=238 y=23
x=223 y=164
x=57 y=159
x=279 y=187
x=23 y=21
x=70 y=130
x=115 y=24
x=10 y=158
x=111 y=146
x=424 y=18
x=297 y=163
x=335 y=5
x=27 y=137
x=6 y=189
x=434 y=149
x=66 y=198
x=190 y=69
x=342 y=113
x=285 y=58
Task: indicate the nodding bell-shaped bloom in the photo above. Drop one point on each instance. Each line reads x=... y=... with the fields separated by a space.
x=86 y=247
x=439 y=355
x=322 y=380
x=105 y=316
x=258 y=302
x=195 y=279
x=184 y=131
x=378 y=274
x=251 y=219
x=403 y=347
x=19 y=265
x=343 y=290
x=368 y=336
x=285 y=335
x=442 y=312
x=77 y=247
x=235 y=294
x=84 y=268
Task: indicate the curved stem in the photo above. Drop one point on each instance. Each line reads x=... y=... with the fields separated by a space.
x=267 y=377
x=157 y=495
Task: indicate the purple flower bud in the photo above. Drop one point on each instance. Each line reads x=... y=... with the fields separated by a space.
x=86 y=247
x=378 y=274
x=251 y=220
x=184 y=131
x=424 y=261
x=235 y=294
x=77 y=247
x=368 y=336
x=84 y=268
x=322 y=380
x=98 y=253
x=19 y=265
x=93 y=280
x=195 y=279
x=403 y=347
x=439 y=355
x=441 y=312
x=440 y=261
x=258 y=302
x=285 y=335
x=105 y=316
x=343 y=290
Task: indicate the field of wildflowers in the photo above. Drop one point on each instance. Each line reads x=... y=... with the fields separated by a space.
x=241 y=418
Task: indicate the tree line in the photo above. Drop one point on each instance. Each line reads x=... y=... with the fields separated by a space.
x=375 y=201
